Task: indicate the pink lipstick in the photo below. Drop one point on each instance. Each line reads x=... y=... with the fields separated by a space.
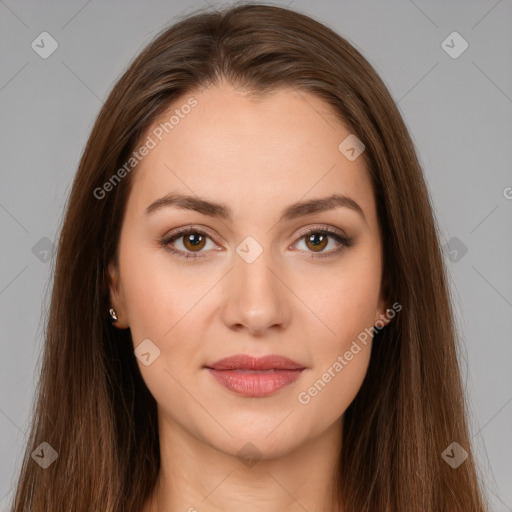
x=255 y=376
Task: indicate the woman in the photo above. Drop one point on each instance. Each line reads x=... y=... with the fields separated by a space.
x=250 y=308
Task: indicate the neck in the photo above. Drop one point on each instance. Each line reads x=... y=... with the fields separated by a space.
x=196 y=476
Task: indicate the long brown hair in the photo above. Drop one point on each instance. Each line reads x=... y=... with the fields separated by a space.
x=92 y=405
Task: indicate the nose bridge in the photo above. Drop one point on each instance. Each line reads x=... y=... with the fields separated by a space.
x=255 y=298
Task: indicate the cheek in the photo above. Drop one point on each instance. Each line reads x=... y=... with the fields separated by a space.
x=157 y=296
x=147 y=306
x=347 y=305
x=346 y=299
x=164 y=305
x=340 y=365
x=333 y=386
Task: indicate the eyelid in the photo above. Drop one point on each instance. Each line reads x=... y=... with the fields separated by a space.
x=302 y=232
x=189 y=227
x=321 y=227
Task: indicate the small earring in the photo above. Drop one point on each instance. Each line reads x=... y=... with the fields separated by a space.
x=113 y=316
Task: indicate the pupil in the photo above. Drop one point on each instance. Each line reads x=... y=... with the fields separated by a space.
x=194 y=235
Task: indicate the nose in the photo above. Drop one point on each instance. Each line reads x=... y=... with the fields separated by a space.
x=255 y=298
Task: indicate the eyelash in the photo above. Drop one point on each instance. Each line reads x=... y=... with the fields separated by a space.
x=344 y=241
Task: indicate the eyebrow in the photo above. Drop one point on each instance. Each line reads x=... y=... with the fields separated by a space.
x=222 y=211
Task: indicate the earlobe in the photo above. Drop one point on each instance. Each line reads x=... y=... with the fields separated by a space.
x=382 y=319
x=115 y=313
x=384 y=313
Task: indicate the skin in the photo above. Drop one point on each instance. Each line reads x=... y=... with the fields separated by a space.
x=285 y=147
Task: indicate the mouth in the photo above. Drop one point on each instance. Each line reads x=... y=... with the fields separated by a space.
x=255 y=376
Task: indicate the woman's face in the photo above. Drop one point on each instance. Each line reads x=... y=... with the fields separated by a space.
x=260 y=284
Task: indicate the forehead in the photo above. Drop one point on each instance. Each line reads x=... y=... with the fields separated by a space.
x=257 y=156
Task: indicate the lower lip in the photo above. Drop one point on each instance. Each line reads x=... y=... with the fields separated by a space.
x=255 y=383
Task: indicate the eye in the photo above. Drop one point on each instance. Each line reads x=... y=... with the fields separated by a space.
x=317 y=239
x=192 y=240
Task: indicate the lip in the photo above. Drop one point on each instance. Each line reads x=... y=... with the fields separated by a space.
x=255 y=376
x=247 y=362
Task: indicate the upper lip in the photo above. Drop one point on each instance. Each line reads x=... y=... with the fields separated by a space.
x=247 y=362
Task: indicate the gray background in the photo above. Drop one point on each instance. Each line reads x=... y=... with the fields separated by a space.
x=458 y=110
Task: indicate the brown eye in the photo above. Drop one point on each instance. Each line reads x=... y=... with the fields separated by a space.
x=194 y=241
x=187 y=243
x=317 y=241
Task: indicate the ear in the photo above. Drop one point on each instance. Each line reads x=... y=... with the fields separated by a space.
x=384 y=301
x=381 y=316
x=382 y=308
x=116 y=295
